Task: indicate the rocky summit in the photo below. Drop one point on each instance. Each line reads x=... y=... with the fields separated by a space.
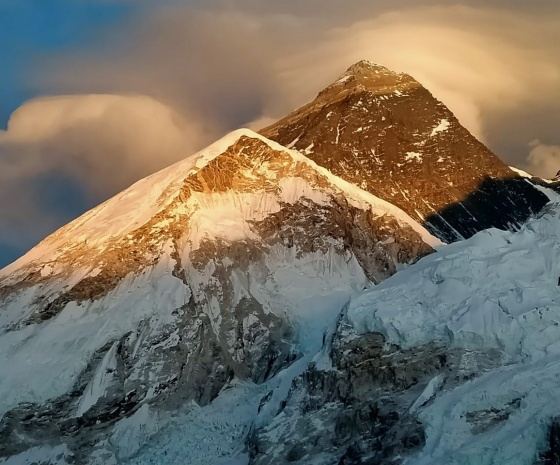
x=289 y=297
x=386 y=133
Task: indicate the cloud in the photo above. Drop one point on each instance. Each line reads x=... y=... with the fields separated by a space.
x=197 y=60
x=482 y=63
x=235 y=62
x=543 y=160
x=64 y=154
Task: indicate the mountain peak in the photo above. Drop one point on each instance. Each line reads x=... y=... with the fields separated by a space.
x=366 y=66
x=366 y=76
x=386 y=133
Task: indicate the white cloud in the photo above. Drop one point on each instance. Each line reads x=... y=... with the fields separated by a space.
x=479 y=62
x=124 y=136
x=102 y=143
x=543 y=160
x=244 y=60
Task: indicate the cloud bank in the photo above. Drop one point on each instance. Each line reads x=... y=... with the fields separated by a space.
x=544 y=158
x=240 y=62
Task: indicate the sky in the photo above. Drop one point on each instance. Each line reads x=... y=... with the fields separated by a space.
x=96 y=94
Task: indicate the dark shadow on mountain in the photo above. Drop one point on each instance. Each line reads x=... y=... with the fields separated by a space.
x=496 y=203
x=554 y=185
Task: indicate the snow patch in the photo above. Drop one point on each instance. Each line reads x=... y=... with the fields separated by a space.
x=309 y=148
x=441 y=127
x=344 y=78
x=413 y=156
x=132 y=433
x=522 y=173
x=56 y=455
x=103 y=378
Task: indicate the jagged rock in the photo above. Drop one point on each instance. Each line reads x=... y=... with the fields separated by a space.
x=363 y=408
x=358 y=411
x=551 y=454
x=486 y=419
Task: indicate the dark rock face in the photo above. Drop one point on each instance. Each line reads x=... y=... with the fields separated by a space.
x=553 y=185
x=363 y=408
x=484 y=420
x=379 y=243
x=551 y=454
x=495 y=203
x=358 y=412
x=387 y=134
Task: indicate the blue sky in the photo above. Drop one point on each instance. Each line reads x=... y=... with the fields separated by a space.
x=32 y=28
x=37 y=27
x=177 y=74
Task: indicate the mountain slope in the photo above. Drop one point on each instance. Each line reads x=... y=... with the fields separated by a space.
x=387 y=134
x=225 y=268
x=453 y=361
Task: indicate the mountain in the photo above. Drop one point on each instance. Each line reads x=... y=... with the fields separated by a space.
x=385 y=132
x=257 y=304
x=452 y=361
x=229 y=265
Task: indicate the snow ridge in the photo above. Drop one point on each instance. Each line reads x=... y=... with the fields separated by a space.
x=143 y=200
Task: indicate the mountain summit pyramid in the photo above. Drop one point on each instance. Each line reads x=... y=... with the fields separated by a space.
x=386 y=133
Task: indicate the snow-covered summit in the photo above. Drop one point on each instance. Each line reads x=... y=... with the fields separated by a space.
x=129 y=209
x=367 y=65
x=368 y=76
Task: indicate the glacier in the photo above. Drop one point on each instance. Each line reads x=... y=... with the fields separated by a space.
x=498 y=290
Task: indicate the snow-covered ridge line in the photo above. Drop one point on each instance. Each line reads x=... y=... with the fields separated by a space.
x=548 y=191
x=130 y=208
x=524 y=174
x=520 y=172
x=355 y=193
x=136 y=205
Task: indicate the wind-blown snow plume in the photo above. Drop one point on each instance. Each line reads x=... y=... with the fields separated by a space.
x=484 y=62
x=544 y=160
